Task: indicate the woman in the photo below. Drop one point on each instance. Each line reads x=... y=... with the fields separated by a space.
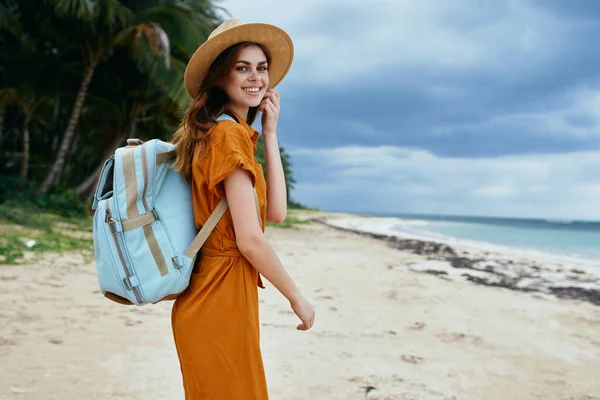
x=215 y=321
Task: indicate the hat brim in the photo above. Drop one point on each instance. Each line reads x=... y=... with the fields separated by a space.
x=273 y=38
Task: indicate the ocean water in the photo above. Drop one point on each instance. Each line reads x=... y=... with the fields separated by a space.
x=561 y=237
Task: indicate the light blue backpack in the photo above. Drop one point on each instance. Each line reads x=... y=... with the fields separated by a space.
x=145 y=238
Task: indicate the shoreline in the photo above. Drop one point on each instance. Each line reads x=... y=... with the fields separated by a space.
x=553 y=256
x=459 y=260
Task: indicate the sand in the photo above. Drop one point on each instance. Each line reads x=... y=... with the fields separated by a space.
x=383 y=331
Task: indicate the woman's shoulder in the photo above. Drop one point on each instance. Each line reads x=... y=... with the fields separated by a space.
x=226 y=129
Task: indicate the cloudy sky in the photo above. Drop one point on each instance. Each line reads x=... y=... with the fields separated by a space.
x=441 y=106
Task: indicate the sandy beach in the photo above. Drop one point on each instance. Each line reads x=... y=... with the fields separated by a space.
x=392 y=323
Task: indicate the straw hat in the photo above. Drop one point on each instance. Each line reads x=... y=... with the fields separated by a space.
x=231 y=32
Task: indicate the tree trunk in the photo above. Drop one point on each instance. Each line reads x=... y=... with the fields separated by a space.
x=87 y=184
x=1 y=123
x=65 y=173
x=84 y=186
x=68 y=137
x=25 y=159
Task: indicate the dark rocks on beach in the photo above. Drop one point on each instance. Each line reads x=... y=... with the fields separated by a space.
x=463 y=262
x=489 y=268
x=591 y=295
x=420 y=247
x=368 y=389
x=415 y=246
x=435 y=272
x=504 y=282
x=496 y=274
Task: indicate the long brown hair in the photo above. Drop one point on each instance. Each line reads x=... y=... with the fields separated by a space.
x=202 y=112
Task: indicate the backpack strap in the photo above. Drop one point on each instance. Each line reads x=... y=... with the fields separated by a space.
x=226 y=116
x=217 y=214
x=207 y=228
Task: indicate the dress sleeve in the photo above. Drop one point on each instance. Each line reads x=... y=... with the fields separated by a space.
x=230 y=148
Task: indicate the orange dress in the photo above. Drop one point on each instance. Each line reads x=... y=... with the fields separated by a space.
x=215 y=321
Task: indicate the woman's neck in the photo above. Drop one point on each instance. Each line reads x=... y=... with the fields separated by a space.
x=241 y=112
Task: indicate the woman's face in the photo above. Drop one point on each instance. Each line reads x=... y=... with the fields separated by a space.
x=247 y=83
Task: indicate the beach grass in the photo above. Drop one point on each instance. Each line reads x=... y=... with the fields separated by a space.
x=28 y=230
x=290 y=222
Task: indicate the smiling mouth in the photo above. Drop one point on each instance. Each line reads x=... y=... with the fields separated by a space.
x=252 y=89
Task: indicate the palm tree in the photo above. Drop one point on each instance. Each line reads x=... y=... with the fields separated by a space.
x=26 y=88
x=285 y=163
x=4 y=102
x=7 y=23
x=153 y=29
x=28 y=104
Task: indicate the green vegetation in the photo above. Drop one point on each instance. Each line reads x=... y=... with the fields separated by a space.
x=15 y=191
x=30 y=229
x=294 y=205
x=290 y=222
x=11 y=249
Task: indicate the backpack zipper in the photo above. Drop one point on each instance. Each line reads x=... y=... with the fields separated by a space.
x=110 y=220
x=113 y=262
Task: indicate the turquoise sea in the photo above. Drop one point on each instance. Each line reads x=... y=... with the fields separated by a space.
x=561 y=237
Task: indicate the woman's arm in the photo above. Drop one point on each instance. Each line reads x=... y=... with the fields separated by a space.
x=257 y=249
x=276 y=189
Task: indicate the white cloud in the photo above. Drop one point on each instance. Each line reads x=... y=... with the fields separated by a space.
x=337 y=41
x=392 y=179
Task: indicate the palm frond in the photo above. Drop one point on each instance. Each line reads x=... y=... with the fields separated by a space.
x=107 y=108
x=82 y=9
x=9 y=21
x=115 y=13
x=154 y=38
x=158 y=40
x=205 y=15
x=205 y=24
x=169 y=79
x=125 y=35
x=178 y=24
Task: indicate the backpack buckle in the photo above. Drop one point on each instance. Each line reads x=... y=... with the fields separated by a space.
x=114 y=229
x=115 y=226
x=177 y=262
x=131 y=282
x=127 y=284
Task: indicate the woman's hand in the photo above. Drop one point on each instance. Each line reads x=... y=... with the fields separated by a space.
x=270 y=107
x=305 y=311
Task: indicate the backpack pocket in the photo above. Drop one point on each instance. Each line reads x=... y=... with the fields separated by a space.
x=110 y=260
